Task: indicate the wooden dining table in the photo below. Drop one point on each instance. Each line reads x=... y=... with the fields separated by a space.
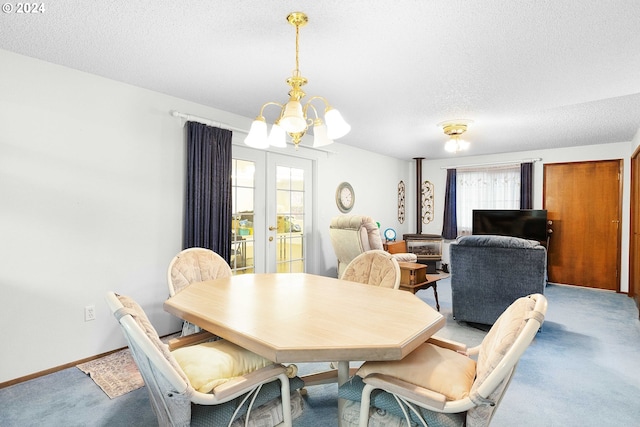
x=299 y=317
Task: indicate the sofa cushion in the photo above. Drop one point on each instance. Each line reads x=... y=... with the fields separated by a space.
x=497 y=241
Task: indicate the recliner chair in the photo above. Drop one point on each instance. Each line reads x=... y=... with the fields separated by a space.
x=352 y=235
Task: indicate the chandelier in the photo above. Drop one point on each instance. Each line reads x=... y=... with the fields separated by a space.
x=293 y=119
x=454 y=129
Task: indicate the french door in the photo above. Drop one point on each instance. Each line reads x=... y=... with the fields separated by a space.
x=271 y=221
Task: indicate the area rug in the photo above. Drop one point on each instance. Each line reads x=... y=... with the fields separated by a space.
x=116 y=374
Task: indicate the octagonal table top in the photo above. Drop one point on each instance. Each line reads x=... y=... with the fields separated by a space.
x=298 y=317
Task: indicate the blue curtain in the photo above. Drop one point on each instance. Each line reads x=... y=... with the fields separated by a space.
x=207 y=211
x=450 y=223
x=526 y=185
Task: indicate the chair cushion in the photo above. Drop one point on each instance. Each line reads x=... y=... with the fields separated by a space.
x=429 y=366
x=207 y=365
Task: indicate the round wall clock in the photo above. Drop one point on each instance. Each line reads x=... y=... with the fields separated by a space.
x=345 y=197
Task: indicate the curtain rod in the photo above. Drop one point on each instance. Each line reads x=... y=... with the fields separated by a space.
x=492 y=164
x=207 y=122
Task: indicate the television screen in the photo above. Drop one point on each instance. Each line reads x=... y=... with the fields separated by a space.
x=525 y=223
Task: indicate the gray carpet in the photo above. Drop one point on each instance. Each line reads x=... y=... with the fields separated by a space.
x=581 y=370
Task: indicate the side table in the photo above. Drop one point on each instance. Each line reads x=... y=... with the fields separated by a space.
x=413 y=277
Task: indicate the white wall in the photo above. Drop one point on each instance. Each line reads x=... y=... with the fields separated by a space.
x=375 y=181
x=91 y=186
x=635 y=143
x=435 y=171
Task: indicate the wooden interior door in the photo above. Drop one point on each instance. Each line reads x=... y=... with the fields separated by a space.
x=634 y=232
x=584 y=200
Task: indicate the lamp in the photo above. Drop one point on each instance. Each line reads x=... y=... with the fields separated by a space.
x=454 y=129
x=293 y=118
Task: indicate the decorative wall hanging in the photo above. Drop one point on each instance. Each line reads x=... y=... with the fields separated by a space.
x=401 y=194
x=427 y=202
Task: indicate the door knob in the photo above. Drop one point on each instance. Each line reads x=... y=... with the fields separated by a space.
x=271 y=238
x=271 y=228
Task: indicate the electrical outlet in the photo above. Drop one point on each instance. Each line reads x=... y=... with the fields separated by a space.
x=89 y=313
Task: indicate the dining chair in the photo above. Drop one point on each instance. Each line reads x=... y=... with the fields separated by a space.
x=439 y=384
x=375 y=267
x=194 y=265
x=206 y=383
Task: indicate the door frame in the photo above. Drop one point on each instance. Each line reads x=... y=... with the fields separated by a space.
x=619 y=214
x=634 y=229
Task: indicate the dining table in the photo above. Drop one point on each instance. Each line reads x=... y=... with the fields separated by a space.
x=301 y=317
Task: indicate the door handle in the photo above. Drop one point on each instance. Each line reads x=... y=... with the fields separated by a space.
x=272 y=228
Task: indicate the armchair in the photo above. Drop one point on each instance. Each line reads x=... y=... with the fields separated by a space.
x=352 y=235
x=212 y=383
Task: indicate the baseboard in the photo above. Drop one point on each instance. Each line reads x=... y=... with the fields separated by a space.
x=62 y=367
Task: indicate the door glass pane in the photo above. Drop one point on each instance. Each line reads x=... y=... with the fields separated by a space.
x=243 y=191
x=290 y=214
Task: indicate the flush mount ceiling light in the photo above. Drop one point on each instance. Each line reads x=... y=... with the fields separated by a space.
x=454 y=129
x=293 y=118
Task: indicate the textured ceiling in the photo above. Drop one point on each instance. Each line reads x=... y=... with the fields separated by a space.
x=531 y=74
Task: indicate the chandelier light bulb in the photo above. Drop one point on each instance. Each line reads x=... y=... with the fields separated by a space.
x=451 y=146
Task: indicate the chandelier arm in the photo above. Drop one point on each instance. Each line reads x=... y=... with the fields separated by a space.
x=306 y=107
x=327 y=106
x=271 y=103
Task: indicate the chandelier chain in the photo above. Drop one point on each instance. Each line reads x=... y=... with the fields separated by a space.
x=297 y=71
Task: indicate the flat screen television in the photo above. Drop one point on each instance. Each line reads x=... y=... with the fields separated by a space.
x=524 y=223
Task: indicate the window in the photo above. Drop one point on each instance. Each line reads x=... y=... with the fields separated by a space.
x=485 y=188
x=243 y=190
